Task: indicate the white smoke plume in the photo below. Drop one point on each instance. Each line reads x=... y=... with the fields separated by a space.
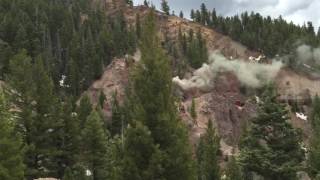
x=308 y=54
x=250 y=74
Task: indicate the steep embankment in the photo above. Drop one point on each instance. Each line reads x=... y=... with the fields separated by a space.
x=225 y=104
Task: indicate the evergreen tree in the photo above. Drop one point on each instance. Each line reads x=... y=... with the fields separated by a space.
x=102 y=99
x=233 y=170
x=271 y=36
x=97 y=66
x=146 y=3
x=182 y=41
x=204 y=14
x=314 y=152
x=154 y=106
x=271 y=147
x=117 y=123
x=207 y=155
x=21 y=81
x=193 y=110
x=68 y=174
x=132 y=39
x=58 y=42
x=95 y=147
x=181 y=14
x=198 y=16
x=11 y=154
x=40 y=115
x=72 y=79
x=192 y=15
x=5 y=54
x=165 y=7
x=116 y=157
x=71 y=139
x=46 y=123
x=138 y=26
x=142 y=158
x=214 y=18
x=84 y=110
x=197 y=52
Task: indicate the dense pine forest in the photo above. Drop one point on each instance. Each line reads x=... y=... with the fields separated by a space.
x=51 y=51
x=268 y=35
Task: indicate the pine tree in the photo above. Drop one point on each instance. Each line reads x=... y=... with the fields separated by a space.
x=207 y=155
x=116 y=157
x=117 y=123
x=90 y=58
x=68 y=174
x=84 y=110
x=146 y=3
x=95 y=147
x=21 y=81
x=198 y=16
x=132 y=41
x=192 y=15
x=102 y=99
x=193 y=110
x=11 y=154
x=21 y=75
x=97 y=66
x=204 y=14
x=142 y=158
x=181 y=14
x=183 y=41
x=154 y=106
x=5 y=54
x=203 y=51
x=271 y=147
x=214 y=17
x=40 y=115
x=314 y=152
x=233 y=170
x=138 y=26
x=71 y=139
x=165 y=7
x=21 y=38
x=47 y=123
x=197 y=52
x=72 y=79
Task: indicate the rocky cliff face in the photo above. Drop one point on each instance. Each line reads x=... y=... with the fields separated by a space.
x=226 y=105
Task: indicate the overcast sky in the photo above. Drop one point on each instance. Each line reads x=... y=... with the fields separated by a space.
x=298 y=11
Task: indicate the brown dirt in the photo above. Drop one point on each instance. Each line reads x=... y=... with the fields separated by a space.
x=114 y=79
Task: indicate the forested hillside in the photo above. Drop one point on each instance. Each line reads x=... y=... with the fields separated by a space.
x=60 y=117
x=268 y=35
x=72 y=38
x=51 y=51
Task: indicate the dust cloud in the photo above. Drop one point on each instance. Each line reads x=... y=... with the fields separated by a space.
x=250 y=74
